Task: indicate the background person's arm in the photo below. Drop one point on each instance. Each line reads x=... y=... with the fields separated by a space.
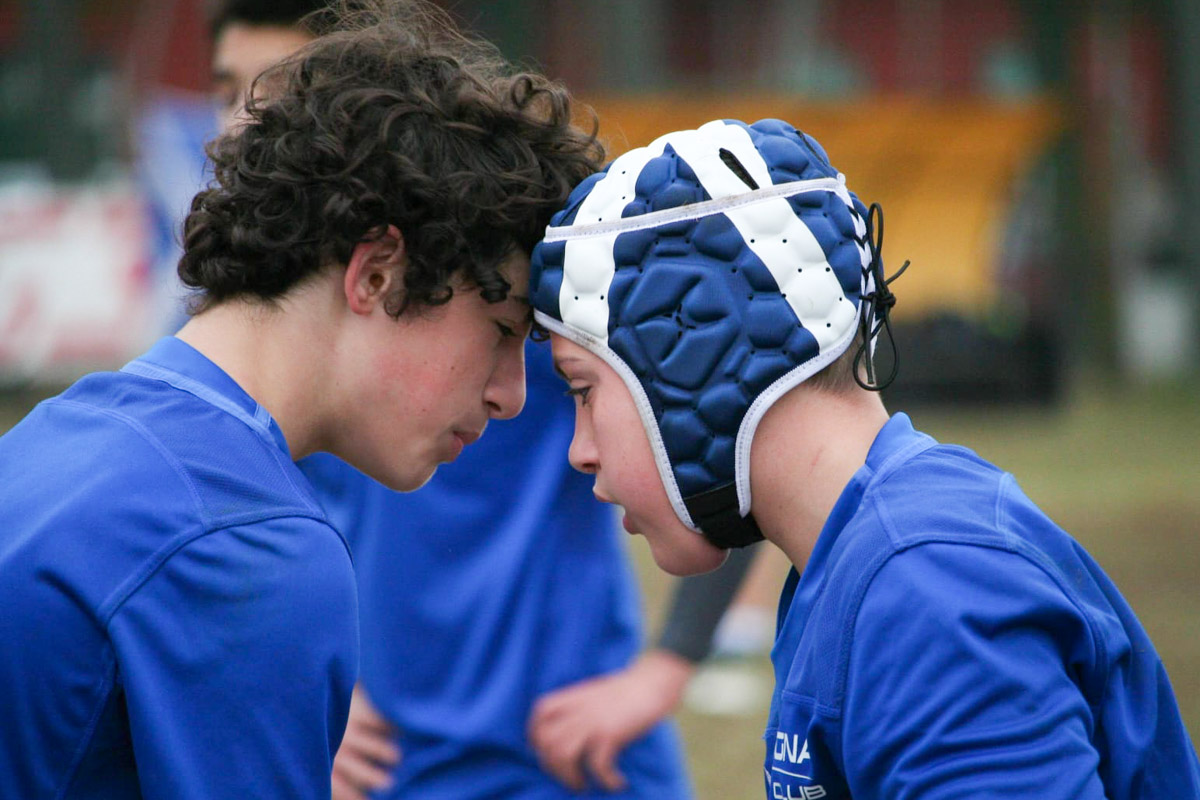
x=369 y=752
x=581 y=729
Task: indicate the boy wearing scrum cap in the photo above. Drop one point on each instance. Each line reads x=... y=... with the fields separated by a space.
x=713 y=301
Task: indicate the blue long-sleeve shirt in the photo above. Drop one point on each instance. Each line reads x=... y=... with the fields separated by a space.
x=177 y=617
x=947 y=640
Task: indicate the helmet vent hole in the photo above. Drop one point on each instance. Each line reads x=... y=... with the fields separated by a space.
x=736 y=168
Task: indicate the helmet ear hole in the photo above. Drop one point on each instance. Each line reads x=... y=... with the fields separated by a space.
x=735 y=166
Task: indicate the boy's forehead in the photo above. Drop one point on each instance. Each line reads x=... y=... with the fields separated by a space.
x=515 y=269
x=520 y=307
x=243 y=50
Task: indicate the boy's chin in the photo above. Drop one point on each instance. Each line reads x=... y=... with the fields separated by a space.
x=693 y=560
x=403 y=480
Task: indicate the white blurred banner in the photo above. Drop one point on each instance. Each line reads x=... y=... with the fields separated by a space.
x=74 y=279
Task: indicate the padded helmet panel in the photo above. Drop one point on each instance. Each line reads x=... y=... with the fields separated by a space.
x=714 y=269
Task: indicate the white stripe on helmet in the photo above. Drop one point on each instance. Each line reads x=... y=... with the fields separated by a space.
x=770 y=229
x=588 y=264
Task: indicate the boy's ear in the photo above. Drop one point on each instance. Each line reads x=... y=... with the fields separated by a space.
x=375 y=270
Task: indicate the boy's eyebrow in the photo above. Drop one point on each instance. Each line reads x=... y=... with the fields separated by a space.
x=520 y=298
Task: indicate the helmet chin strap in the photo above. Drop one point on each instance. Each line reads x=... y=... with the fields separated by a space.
x=715 y=512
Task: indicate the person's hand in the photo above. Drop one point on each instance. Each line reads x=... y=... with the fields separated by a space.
x=587 y=725
x=368 y=753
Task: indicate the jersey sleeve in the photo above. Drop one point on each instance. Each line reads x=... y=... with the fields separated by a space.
x=960 y=682
x=698 y=603
x=237 y=658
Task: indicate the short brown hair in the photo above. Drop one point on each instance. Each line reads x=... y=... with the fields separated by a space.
x=838 y=377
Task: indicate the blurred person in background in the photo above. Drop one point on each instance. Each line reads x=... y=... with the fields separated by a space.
x=179 y=615
x=939 y=636
x=500 y=621
x=747 y=628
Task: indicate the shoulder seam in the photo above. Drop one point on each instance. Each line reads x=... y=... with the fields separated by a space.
x=913 y=450
x=1051 y=571
x=843 y=662
x=139 y=578
x=1002 y=488
x=151 y=440
x=302 y=494
x=89 y=731
x=150 y=371
x=873 y=570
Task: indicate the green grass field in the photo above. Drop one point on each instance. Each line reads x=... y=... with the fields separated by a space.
x=1118 y=468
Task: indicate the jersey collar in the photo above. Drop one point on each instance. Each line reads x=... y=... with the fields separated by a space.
x=896 y=442
x=177 y=363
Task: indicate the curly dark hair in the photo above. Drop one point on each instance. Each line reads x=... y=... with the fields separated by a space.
x=393 y=117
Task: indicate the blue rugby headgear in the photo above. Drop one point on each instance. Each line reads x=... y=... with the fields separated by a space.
x=714 y=270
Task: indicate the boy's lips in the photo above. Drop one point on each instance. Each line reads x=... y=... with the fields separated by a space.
x=600 y=495
x=468 y=437
x=461 y=439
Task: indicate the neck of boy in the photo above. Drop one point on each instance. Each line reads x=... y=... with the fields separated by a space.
x=806 y=449
x=277 y=353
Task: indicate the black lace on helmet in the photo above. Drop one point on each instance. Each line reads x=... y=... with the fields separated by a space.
x=876 y=308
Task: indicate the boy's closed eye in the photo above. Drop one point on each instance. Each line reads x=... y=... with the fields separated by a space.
x=581 y=392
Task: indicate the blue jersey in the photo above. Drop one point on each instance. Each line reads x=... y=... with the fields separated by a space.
x=946 y=639
x=177 y=617
x=500 y=580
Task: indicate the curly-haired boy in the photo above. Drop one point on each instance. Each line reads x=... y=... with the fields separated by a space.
x=181 y=615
